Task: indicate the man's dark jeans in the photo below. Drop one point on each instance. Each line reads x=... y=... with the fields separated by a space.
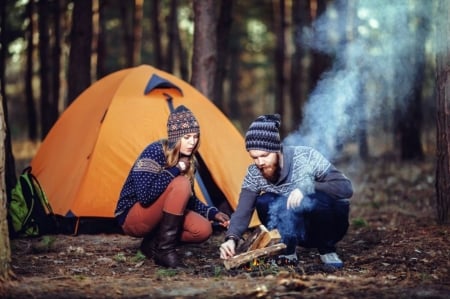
x=319 y=222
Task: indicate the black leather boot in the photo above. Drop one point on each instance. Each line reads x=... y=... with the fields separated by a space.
x=148 y=244
x=166 y=241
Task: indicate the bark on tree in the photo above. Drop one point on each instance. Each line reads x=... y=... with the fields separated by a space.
x=5 y=251
x=320 y=61
x=79 y=76
x=298 y=84
x=56 y=82
x=411 y=123
x=29 y=96
x=100 y=40
x=223 y=37
x=9 y=167
x=137 y=30
x=408 y=115
x=280 y=82
x=172 y=32
x=7 y=177
x=156 y=35
x=443 y=117
x=44 y=67
x=127 y=16
x=204 y=60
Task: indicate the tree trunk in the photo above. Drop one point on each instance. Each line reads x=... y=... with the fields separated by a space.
x=204 y=60
x=223 y=37
x=79 y=77
x=299 y=83
x=101 y=41
x=411 y=126
x=10 y=167
x=29 y=96
x=156 y=36
x=56 y=60
x=7 y=177
x=127 y=15
x=5 y=251
x=137 y=30
x=279 y=21
x=234 y=107
x=44 y=67
x=320 y=62
x=443 y=118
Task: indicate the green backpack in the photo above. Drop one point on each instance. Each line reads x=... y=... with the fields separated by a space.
x=29 y=212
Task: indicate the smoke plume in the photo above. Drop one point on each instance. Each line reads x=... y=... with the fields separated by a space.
x=375 y=60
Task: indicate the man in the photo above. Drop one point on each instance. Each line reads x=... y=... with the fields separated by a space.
x=294 y=189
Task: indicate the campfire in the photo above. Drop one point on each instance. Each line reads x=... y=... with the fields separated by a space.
x=259 y=246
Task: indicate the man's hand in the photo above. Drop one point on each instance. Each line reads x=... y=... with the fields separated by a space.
x=223 y=219
x=295 y=199
x=227 y=249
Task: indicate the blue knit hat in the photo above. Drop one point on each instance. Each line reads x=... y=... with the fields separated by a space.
x=181 y=122
x=263 y=134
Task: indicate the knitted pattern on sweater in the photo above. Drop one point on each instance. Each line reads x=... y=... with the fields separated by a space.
x=148 y=179
x=308 y=165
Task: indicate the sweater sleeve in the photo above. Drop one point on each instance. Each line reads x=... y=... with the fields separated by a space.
x=334 y=183
x=198 y=206
x=241 y=218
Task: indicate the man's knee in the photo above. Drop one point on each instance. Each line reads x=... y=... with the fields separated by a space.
x=263 y=203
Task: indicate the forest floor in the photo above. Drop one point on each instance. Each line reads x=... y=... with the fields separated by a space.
x=393 y=249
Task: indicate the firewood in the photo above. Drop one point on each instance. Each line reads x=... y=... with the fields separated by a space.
x=249 y=256
x=266 y=239
x=260 y=237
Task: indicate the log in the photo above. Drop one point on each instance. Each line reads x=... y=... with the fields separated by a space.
x=249 y=256
x=260 y=237
x=266 y=239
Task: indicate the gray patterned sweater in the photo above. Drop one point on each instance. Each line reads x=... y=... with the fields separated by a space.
x=304 y=168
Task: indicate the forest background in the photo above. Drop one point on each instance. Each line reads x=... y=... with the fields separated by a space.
x=357 y=79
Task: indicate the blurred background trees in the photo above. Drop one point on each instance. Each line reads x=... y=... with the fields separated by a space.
x=347 y=76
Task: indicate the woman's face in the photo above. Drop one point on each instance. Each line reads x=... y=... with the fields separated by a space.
x=188 y=143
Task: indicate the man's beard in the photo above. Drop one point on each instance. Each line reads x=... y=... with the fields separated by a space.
x=271 y=172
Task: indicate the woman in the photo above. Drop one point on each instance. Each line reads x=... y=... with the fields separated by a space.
x=157 y=201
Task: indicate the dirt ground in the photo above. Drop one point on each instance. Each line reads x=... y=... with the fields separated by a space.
x=393 y=249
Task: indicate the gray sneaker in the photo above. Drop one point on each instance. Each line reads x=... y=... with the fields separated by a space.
x=331 y=259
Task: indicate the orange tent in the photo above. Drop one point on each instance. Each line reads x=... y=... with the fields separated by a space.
x=83 y=161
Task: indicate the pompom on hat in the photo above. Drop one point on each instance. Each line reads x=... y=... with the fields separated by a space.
x=181 y=122
x=263 y=134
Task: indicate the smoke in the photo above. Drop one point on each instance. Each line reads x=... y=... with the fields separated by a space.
x=375 y=61
x=285 y=221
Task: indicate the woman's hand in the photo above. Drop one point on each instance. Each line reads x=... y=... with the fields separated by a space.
x=223 y=219
x=184 y=164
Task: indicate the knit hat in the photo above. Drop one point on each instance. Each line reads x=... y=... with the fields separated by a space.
x=181 y=122
x=263 y=134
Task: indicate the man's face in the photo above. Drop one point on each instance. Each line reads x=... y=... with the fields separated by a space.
x=267 y=163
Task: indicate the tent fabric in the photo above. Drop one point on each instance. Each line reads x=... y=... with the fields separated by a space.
x=85 y=158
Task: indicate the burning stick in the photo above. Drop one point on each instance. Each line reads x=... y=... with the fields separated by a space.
x=249 y=256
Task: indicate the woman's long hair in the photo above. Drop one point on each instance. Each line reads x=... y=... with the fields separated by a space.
x=173 y=156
